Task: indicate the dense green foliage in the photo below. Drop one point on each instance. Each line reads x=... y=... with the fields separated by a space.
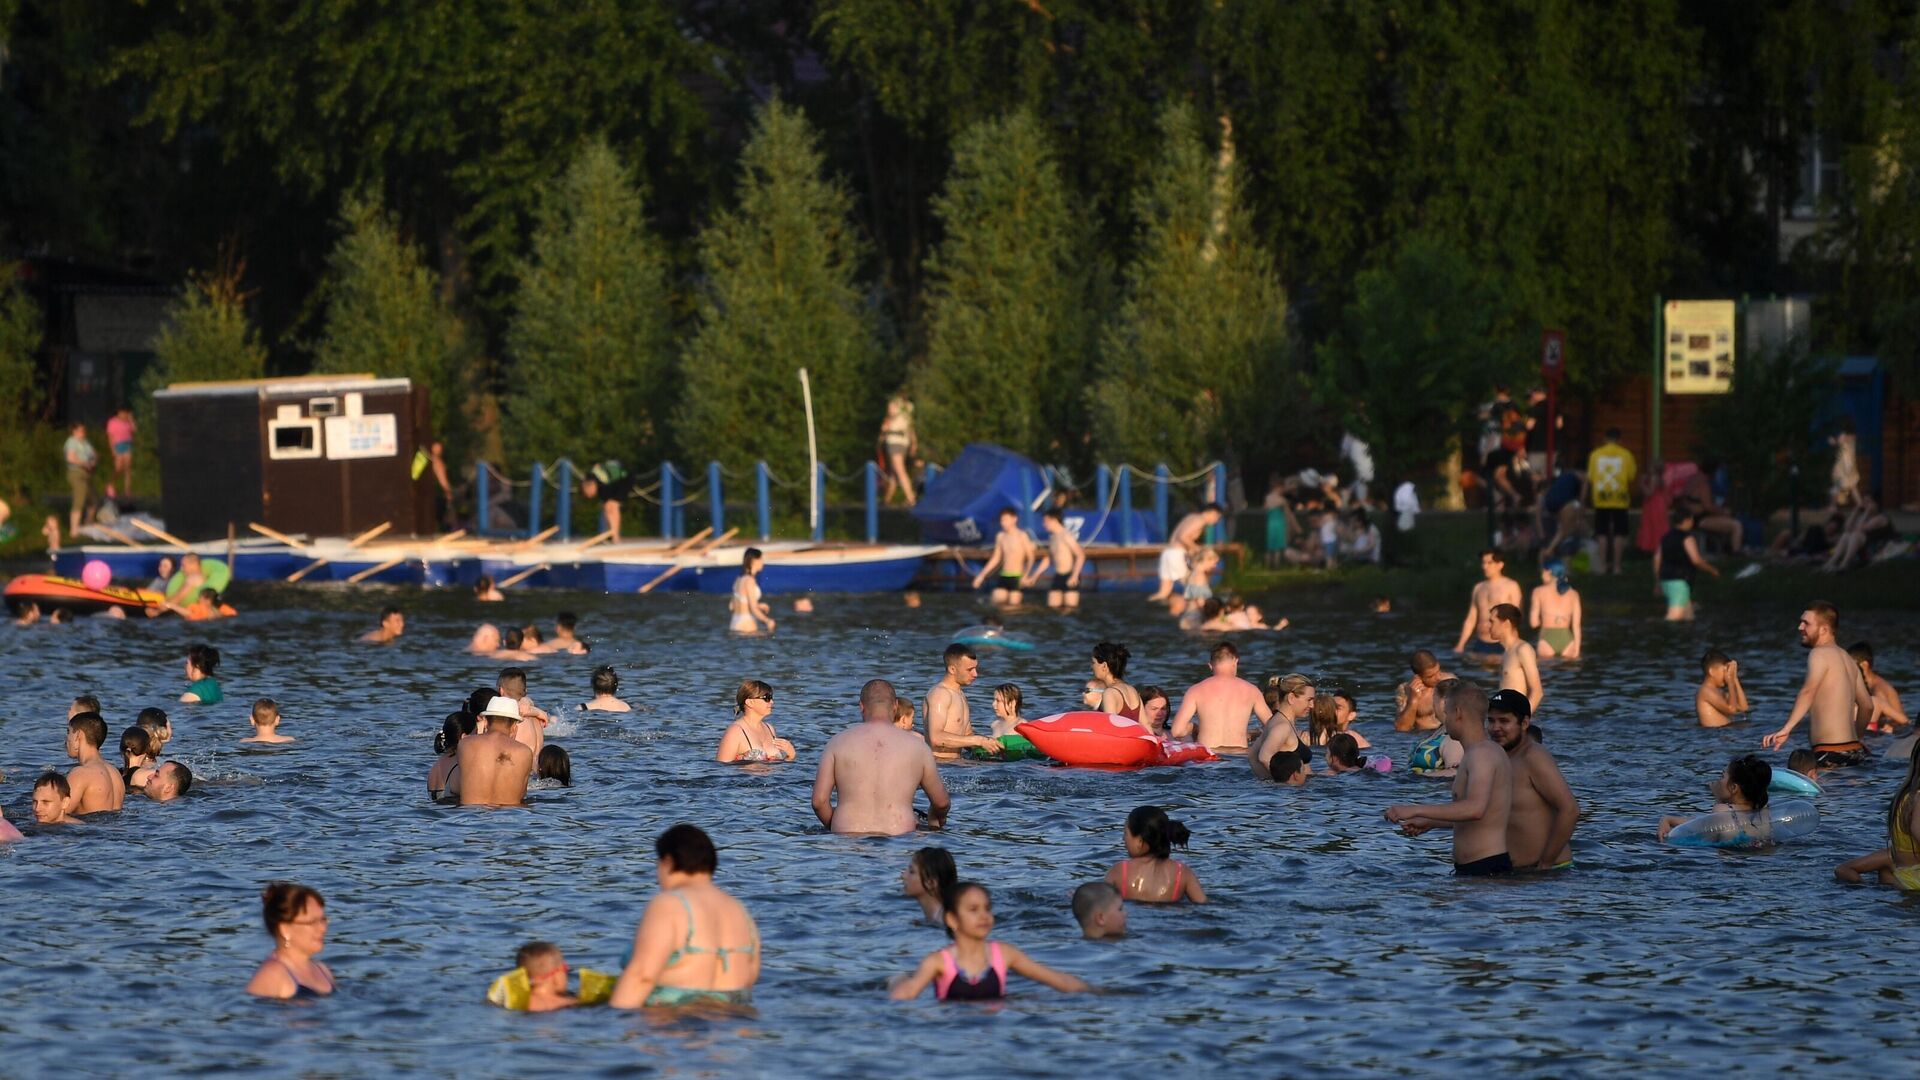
x=781 y=293
x=19 y=340
x=591 y=337
x=207 y=337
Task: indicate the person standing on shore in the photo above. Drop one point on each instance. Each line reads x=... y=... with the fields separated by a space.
x=1176 y=559
x=81 y=459
x=120 y=428
x=1611 y=471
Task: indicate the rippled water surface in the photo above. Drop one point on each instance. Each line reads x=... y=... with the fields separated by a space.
x=1334 y=944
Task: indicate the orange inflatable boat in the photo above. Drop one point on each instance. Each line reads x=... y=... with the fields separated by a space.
x=52 y=592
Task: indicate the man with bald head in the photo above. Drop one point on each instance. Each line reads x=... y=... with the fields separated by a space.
x=874 y=768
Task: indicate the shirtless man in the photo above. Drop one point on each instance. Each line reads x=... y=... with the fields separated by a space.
x=874 y=768
x=1415 y=697
x=1290 y=697
x=1482 y=792
x=192 y=579
x=513 y=642
x=1544 y=812
x=533 y=734
x=1887 y=711
x=1519 y=665
x=1013 y=552
x=1176 y=559
x=1720 y=699
x=1220 y=704
x=170 y=781
x=94 y=785
x=949 y=721
x=1497 y=589
x=393 y=623
x=563 y=639
x=1834 y=693
x=494 y=765
x=1066 y=557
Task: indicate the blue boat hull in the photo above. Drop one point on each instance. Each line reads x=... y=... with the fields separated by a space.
x=879 y=575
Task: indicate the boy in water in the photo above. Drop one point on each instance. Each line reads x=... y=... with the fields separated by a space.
x=266 y=723
x=1720 y=699
x=903 y=713
x=1099 y=910
x=546 y=976
x=1199 y=589
x=50 y=795
x=1066 y=557
x=1804 y=762
x=1013 y=552
x=1887 y=713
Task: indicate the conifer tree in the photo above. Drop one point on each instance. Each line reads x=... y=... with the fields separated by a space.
x=590 y=338
x=207 y=337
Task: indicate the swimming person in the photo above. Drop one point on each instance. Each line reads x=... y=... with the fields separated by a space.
x=1343 y=756
x=136 y=756
x=929 y=874
x=1066 y=557
x=513 y=683
x=1100 y=911
x=485 y=592
x=546 y=970
x=751 y=738
x=202 y=688
x=1674 y=562
x=513 y=641
x=1544 y=812
x=949 y=720
x=1110 y=671
x=974 y=968
x=296 y=919
x=605 y=683
x=485 y=640
x=85 y=703
x=554 y=763
x=1720 y=699
x=494 y=765
x=1834 y=692
x=444 y=777
x=1323 y=720
x=1153 y=709
x=1150 y=873
x=1345 y=711
x=95 y=786
x=1176 y=559
x=1887 y=711
x=1215 y=711
x=393 y=623
x=1289 y=767
x=695 y=943
x=1554 y=610
x=1290 y=697
x=1482 y=791
x=748 y=611
x=564 y=639
x=1013 y=552
x=1414 y=699
x=51 y=795
x=1519 y=668
x=874 y=768
x=170 y=781
x=1741 y=787
x=159 y=728
x=1007 y=701
x=1476 y=631
x=266 y=723
x=903 y=716
x=1899 y=862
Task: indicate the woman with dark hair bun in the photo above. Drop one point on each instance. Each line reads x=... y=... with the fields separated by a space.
x=1113 y=694
x=296 y=919
x=695 y=943
x=444 y=777
x=1150 y=874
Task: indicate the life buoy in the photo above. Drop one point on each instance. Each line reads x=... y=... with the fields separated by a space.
x=1101 y=738
x=1789 y=819
x=992 y=637
x=51 y=592
x=1788 y=782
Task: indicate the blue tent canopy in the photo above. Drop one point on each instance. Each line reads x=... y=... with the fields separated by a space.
x=963 y=504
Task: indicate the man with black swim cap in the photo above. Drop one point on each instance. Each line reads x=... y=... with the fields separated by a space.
x=1541 y=819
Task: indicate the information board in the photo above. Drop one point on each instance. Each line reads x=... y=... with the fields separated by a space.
x=1699 y=346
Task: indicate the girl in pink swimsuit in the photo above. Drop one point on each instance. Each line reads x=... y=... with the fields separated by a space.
x=975 y=968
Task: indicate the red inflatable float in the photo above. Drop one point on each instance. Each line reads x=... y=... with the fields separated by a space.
x=1099 y=738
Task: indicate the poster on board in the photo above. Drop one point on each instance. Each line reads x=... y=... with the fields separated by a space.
x=353 y=437
x=1698 y=344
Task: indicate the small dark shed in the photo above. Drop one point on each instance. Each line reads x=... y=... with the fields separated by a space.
x=325 y=455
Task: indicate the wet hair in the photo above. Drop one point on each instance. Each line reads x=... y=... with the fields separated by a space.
x=509 y=676
x=605 y=679
x=1903 y=797
x=1211 y=608
x=1422 y=661
x=457 y=726
x=1506 y=613
x=957 y=652
x=936 y=869
x=1223 y=649
x=554 y=764
x=512 y=638
x=530 y=634
x=903 y=710
x=1091 y=899
x=1344 y=749
x=544 y=953
x=154 y=721
x=282 y=901
x=183 y=776
x=266 y=706
x=55 y=781
x=751 y=690
x=1285 y=763
x=204 y=657
x=1712 y=657
x=1322 y=722
x=87 y=703
x=1114 y=656
x=1861 y=652
x=1803 y=761
x=950 y=900
x=1751 y=775
x=687 y=849
x=482 y=584
x=389 y=612
x=1826 y=613
x=1148 y=693
x=1347 y=696
x=1012 y=694
x=1156 y=830
x=136 y=742
x=566 y=620
x=91 y=728
x=747 y=557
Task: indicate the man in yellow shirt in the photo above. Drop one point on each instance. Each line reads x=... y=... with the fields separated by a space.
x=1610 y=474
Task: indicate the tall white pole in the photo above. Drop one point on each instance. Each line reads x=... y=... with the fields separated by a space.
x=813 y=456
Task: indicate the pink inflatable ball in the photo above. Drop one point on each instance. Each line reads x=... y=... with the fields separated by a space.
x=96 y=574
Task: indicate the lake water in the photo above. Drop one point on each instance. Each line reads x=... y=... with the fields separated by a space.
x=1334 y=944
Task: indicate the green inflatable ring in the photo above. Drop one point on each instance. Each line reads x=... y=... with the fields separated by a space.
x=217 y=574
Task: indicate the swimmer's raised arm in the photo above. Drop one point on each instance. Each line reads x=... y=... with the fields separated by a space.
x=1020 y=963
x=1736 y=693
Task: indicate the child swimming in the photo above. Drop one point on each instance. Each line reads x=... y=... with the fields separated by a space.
x=1098 y=909
x=1007 y=701
x=546 y=972
x=975 y=968
x=266 y=723
x=929 y=874
x=1149 y=873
